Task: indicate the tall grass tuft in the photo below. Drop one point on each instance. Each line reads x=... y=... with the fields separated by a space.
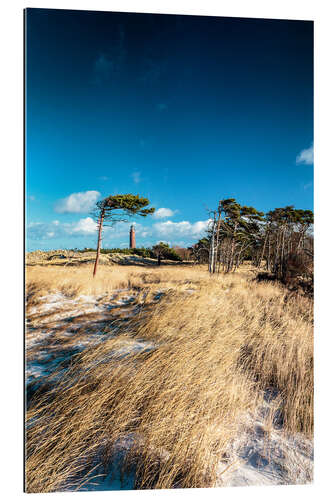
x=211 y=347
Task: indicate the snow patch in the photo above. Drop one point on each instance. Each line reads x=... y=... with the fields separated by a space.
x=266 y=456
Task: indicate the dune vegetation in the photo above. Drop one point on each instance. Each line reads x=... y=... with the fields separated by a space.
x=162 y=393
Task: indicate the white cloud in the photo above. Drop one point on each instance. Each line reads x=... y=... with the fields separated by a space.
x=200 y=227
x=305 y=156
x=38 y=231
x=77 y=202
x=136 y=177
x=85 y=226
x=56 y=229
x=161 y=213
x=183 y=228
x=67 y=232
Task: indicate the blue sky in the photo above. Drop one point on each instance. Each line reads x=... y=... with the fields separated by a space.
x=184 y=110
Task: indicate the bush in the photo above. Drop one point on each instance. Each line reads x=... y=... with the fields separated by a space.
x=296 y=265
x=163 y=251
x=167 y=252
x=142 y=252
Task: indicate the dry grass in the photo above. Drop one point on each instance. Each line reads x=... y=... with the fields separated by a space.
x=212 y=345
x=74 y=281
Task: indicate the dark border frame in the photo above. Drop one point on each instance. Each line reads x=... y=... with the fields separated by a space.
x=24 y=242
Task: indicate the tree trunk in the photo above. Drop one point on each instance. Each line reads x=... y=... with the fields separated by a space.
x=263 y=252
x=231 y=262
x=280 y=271
x=217 y=237
x=212 y=247
x=220 y=257
x=277 y=251
x=268 y=260
x=100 y=226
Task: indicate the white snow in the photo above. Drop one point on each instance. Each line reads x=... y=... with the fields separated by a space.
x=260 y=455
x=266 y=456
x=257 y=457
x=41 y=342
x=133 y=346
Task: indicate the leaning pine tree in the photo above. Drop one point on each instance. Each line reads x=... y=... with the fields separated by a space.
x=115 y=209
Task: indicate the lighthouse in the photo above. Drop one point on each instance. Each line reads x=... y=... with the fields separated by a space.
x=132 y=237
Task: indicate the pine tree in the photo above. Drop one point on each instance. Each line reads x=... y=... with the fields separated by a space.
x=118 y=208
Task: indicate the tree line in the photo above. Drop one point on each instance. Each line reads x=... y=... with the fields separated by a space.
x=281 y=239
x=160 y=251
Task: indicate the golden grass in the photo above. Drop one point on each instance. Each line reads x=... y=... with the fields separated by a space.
x=215 y=350
x=73 y=281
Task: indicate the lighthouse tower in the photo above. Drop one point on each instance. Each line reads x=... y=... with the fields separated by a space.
x=132 y=237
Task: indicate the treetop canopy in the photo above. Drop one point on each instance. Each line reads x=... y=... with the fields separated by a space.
x=291 y=215
x=128 y=203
